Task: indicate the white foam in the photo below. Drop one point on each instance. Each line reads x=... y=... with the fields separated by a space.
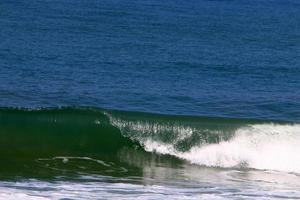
x=146 y=128
x=40 y=190
x=267 y=146
x=13 y=195
x=142 y=130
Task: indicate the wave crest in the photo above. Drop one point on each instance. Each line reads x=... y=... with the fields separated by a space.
x=110 y=135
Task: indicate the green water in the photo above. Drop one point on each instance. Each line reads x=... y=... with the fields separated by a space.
x=118 y=154
x=72 y=141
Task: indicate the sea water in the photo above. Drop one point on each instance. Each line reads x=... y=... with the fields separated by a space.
x=149 y=99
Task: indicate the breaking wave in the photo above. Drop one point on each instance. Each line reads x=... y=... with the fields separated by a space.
x=100 y=139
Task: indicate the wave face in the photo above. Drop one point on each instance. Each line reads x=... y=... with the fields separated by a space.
x=94 y=140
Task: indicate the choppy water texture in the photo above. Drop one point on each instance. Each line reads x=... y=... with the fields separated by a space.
x=222 y=78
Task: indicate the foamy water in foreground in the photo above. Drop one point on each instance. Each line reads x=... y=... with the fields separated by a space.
x=189 y=183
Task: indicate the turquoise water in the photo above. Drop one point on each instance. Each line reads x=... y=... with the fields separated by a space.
x=149 y=99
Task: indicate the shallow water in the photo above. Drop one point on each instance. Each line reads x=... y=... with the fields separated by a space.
x=182 y=184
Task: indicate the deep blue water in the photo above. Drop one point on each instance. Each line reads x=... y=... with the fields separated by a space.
x=99 y=59
x=230 y=58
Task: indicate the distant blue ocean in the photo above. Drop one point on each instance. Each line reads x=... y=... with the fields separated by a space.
x=149 y=99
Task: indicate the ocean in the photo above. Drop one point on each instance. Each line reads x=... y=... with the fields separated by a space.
x=149 y=99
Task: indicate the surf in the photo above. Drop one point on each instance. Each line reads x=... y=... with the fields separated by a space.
x=96 y=140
